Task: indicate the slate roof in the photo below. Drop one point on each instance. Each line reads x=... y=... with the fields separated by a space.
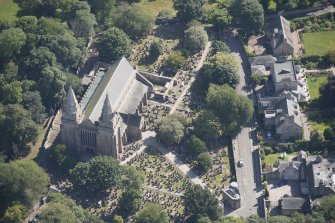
x=280 y=25
x=262 y=60
x=294 y=203
x=283 y=165
x=324 y=172
x=120 y=83
x=283 y=71
x=290 y=108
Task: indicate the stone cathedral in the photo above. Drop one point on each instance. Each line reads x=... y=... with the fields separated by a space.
x=109 y=114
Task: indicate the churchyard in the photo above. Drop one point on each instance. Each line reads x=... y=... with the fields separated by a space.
x=218 y=177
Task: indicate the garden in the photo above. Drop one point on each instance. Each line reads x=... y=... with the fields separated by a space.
x=319 y=43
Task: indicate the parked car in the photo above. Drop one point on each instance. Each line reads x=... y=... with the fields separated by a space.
x=240 y=163
x=268 y=135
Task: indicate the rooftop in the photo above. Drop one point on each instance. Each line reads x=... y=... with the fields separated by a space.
x=293 y=203
x=283 y=71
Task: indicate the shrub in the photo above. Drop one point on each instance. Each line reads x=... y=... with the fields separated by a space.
x=176 y=60
x=328 y=133
x=195 y=38
x=155 y=51
x=248 y=50
x=219 y=46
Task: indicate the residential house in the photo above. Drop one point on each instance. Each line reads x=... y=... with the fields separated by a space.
x=279 y=36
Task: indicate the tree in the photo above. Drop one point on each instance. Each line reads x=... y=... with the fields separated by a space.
x=195 y=146
x=326 y=208
x=278 y=219
x=12 y=93
x=204 y=220
x=232 y=109
x=133 y=20
x=82 y=22
x=37 y=60
x=327 y=92
x=102 y=8
x=16 y=128
x=15 y=213
x=155 y=51
x=118 y=219
x=100 y=173
x=65 y=48
x=131 y=198
x=62 y=158
x=219 y=46
x=176 y=60
x=189 y=9
x=328 y=134
x=316 y=140
x=11 y=41
x=205 y=162
x=207 y=126
x=221 y=69
x=231 y=220
x=112 y=44
x=151 y=213
x=219 y=16
x=170 y=130
x=22 y=181
x=251 y=16
x=255 y=219
x=10 y=72
x=195 y=38
x=32 y=101
x=63 y=209
x=201 y=202
x=52 y=87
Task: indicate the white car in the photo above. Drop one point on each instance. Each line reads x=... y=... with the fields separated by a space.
x=240 y=163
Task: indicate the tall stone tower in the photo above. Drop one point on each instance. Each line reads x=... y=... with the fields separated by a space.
x=108 y=130
x=71 y=117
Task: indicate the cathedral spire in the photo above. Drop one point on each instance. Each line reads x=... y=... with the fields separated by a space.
x=71 y=109
x=107 y=112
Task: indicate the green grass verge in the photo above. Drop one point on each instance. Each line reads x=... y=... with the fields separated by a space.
x=8 y=10
x=154 y=7
x=319 y=43
x=314 y=84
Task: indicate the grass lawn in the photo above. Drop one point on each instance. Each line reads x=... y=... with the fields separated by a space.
x=319 y=43
x=314 y=84
x=155 y=6
x=8 y=10
x=272 y=158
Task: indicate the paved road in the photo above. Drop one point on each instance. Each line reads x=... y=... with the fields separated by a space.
x=248 y=176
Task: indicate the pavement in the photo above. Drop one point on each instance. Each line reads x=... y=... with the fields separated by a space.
x=248 y=176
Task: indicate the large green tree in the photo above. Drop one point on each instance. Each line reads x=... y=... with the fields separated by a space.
x=63 y=209
x=232 y=109
x=195 y=38
x=195 y=146
x=189 y=9
x=22 y=181
x=102 y=8
x=205 y=162
x=201 y=202
x=251 y=17
x=152 y=213
x=326 y=208
x=170 y=130
x=100 y=173
x=207 y=126
x=16 y=128
x=11 y=41
x=134 y=20
x=112 y=44
x=32 y=101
